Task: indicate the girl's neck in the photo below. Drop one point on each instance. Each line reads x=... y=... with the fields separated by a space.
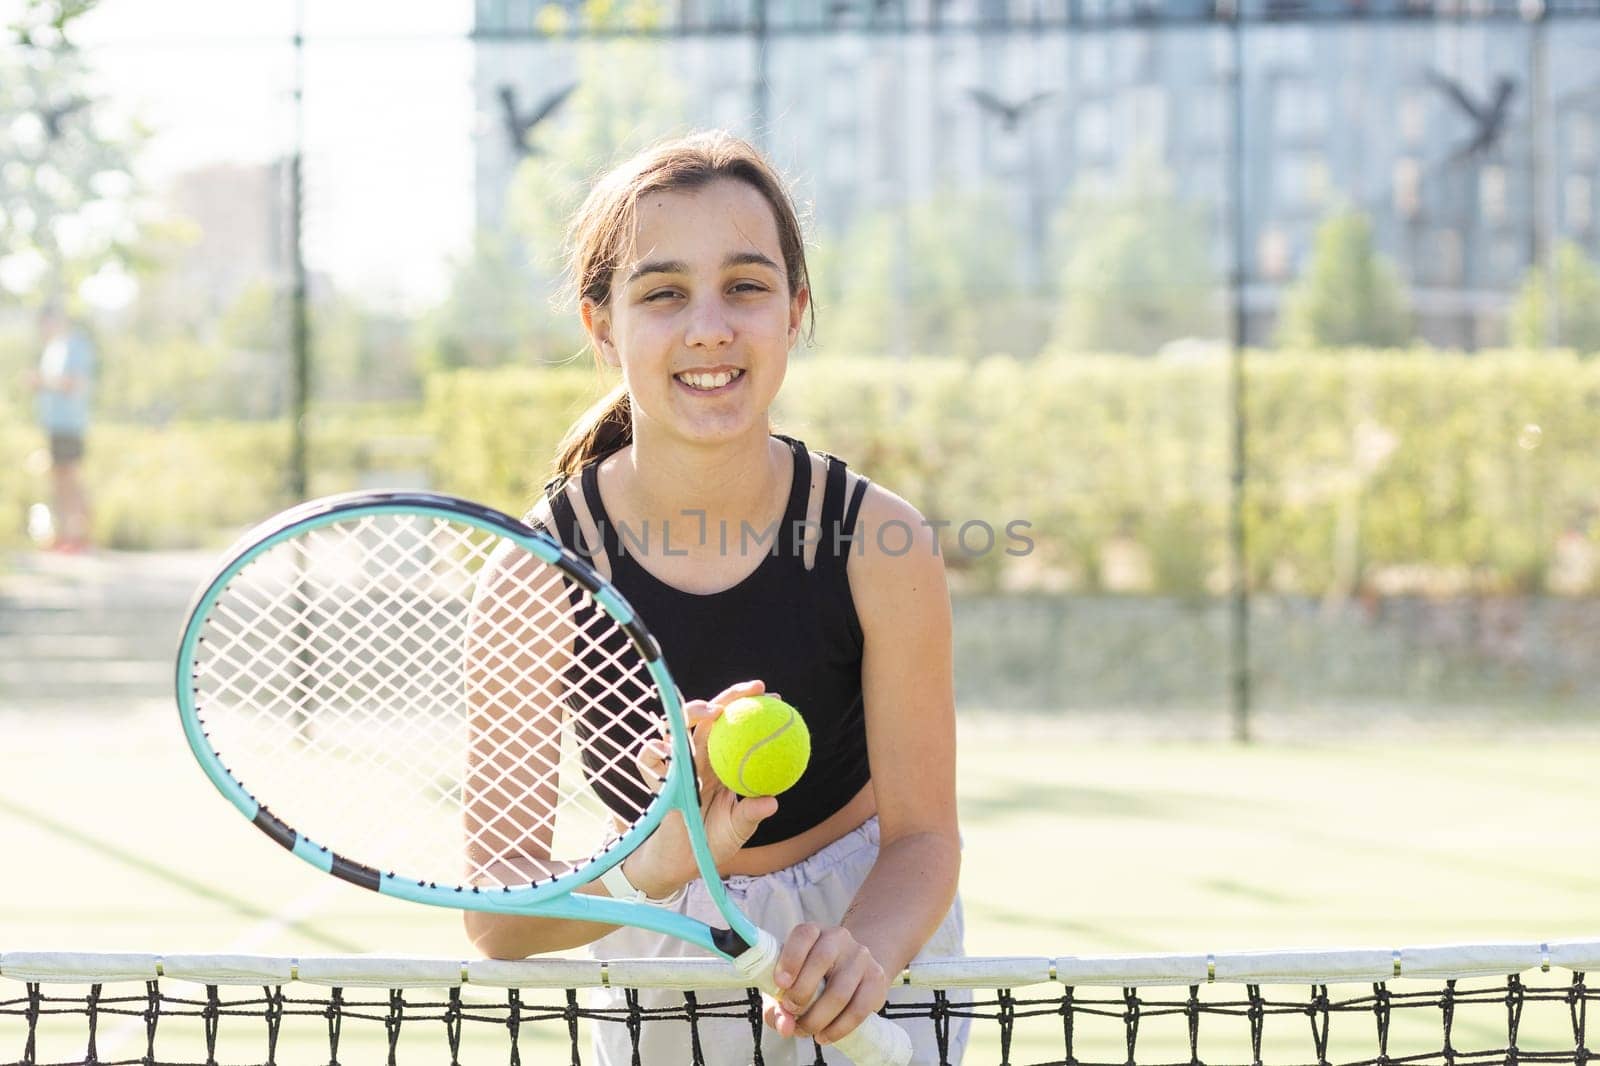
x=670 y=479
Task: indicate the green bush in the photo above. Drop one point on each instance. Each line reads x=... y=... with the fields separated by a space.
x=1408 y=470
x=196 y=484
x=1368 y=471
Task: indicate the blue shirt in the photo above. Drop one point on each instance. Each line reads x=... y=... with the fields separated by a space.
x=65 y=412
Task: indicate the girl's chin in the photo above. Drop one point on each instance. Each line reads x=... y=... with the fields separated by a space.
x=717 y=427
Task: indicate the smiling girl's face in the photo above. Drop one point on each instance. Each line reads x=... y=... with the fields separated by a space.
x=700 y=317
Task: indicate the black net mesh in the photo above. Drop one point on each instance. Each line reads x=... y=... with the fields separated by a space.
x=1450 y=1022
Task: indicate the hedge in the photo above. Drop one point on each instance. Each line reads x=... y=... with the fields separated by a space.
x=1367 y=471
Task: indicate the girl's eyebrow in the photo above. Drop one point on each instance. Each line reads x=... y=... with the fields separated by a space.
x=678 y=266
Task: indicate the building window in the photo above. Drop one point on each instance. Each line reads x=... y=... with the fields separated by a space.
x=1303 y=180
x=1147 y=117
x=1092 y=65
x=1209 y=118
x=1580 y=140
x=1285 y=47
x=1272 y=254
x=1413 y=119
x=1407 y=188
x=1447 y=257
x=1298 y=112
x=1492 y=194
x=1579 y=207
x=1094 y=131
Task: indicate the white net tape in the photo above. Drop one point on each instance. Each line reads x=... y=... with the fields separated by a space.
x=1302 y=966
x=428 y=699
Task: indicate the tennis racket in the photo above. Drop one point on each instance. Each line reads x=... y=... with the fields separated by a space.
x=431 y=700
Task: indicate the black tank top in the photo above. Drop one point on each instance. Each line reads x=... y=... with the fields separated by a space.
x=793 y=628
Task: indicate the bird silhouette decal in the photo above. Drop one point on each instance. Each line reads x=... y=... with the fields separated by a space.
x=1489 y=118
x=518 y=126
x=1010 y=113
x=52 y=116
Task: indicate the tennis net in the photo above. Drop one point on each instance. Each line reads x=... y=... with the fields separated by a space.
x=1459 y=1005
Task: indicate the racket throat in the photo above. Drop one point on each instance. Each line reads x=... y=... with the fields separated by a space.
x=729 y=942
x=757 y=961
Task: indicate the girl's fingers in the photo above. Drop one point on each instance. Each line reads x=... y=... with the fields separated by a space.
x=739 y=691
x=697 y=711
x=654 y=756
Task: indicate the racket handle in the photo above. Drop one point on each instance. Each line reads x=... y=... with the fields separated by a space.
x=875 y=1042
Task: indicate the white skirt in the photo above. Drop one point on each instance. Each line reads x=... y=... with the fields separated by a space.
x=816 y=889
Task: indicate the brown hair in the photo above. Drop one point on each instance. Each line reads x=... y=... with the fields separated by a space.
x=603 y=227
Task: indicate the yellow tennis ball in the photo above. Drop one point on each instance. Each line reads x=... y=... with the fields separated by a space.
x=759 y=746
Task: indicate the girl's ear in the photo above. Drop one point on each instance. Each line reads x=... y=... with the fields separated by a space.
x=797 y=312
x=597 y=324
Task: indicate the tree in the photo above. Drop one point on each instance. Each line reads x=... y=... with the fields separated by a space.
x=500 y=307
x=962 y=289
x=625 y=98
x=1349 y=296
x=498 y=311
x=1136 y=272
x=1577 y=300
x=66 y=185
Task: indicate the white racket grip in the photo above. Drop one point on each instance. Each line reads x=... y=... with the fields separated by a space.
x=875 y=1042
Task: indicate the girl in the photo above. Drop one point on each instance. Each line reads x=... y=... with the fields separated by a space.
x=691 y=277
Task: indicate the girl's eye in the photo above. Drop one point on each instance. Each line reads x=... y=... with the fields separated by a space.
x=655 y=296
x=749 y=286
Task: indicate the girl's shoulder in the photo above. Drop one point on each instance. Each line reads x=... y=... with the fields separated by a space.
x=882 y=525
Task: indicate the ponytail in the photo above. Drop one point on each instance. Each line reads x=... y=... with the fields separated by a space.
x=605 y=427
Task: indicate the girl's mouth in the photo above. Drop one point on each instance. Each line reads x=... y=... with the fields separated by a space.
x=708 y=381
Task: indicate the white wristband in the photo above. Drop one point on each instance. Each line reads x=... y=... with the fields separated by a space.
x=617 y=884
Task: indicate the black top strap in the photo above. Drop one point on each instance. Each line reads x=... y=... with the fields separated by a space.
x=838 y=516
x=855 y=505
x=566 y=520
x=597 y=511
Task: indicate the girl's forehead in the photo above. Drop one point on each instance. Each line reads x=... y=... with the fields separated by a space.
x=691 y=224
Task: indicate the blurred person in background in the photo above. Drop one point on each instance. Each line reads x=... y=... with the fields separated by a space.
x=62 y=388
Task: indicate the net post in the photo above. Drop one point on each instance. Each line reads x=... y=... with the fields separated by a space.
x=514 y=1023
x=30 y=1048
x=1130 y=1021
x=1007 y=1019
x=1192 y=1014
x=1381 y=1009
x=212 y=1014
x=1578 y=1010
x=571 y=1014
x=1067 y=1018
x=334 y=1012
x=635 y=1020
x=752 y=998
x=941 y=1023
x=92 y=1054
x=1317 y=1012
x=1514 y=1000
x=392 y=1021
x=1258 y=1017
x=452 y=1025
x=152 y=1012
x=274 y=1017
x=1447 y=1006
x=691 y=1007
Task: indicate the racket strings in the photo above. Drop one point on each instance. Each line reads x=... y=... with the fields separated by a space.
x=427 y=698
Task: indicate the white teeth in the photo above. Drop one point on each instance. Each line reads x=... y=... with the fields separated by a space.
x=709 y=381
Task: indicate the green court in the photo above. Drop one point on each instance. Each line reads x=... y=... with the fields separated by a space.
x=1073 y=846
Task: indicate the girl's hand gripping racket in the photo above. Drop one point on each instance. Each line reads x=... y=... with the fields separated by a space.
x=434 y=701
